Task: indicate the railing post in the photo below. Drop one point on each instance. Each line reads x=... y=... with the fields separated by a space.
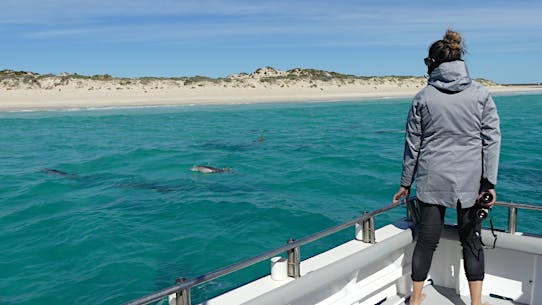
x=182 y=297
x=512 y=220
x=368 y=229
x=294 y=261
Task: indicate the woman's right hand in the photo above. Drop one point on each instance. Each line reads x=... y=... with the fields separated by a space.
x=402 y=193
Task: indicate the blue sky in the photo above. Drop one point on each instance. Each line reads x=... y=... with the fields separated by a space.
x=217 y=38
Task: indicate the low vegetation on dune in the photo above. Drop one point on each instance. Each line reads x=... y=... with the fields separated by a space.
x=266 y=77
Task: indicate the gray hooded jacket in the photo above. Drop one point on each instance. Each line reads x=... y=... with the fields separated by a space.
x=452 y=138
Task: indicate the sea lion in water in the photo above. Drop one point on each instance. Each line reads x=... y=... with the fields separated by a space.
x=209 y=169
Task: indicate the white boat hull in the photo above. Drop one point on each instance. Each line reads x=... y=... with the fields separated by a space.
x=363 y=273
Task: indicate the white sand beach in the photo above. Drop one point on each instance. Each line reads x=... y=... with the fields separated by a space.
x=29 y=91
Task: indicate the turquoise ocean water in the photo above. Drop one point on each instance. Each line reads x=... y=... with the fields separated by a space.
x=131 y=217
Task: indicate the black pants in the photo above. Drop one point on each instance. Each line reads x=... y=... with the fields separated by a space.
x=430 y=228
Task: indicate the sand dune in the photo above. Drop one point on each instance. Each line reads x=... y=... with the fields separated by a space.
x=26 y=90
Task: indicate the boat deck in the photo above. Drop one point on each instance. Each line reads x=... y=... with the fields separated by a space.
x=447 y=296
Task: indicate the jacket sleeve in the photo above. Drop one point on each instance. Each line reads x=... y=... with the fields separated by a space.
x=491 y=141
x=412 y=144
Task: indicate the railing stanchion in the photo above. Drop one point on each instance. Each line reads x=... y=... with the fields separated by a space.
x=368 y=229
x=512 y=220
x=294 y=261
x=182 y=297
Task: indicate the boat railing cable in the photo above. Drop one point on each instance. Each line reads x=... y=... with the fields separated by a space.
x=366 y=226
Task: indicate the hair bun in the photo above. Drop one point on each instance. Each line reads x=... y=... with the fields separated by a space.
x=453 y=39
x=449 y=48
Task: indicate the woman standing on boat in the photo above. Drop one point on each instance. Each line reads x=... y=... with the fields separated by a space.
x=452 y=148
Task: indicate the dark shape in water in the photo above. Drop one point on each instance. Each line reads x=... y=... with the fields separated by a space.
x=161 y=188
x=392 y=131
x=56 y=172
x=209 y=169
x=224 y=146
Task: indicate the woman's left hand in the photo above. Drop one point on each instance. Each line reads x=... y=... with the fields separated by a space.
x=402 y=193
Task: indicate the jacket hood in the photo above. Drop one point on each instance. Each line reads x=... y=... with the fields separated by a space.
x=450 y=76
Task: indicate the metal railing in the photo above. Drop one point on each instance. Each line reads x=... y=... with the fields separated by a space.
x=366 y=226
x=513 y=213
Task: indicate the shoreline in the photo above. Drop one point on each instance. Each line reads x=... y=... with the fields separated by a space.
x=36 y=100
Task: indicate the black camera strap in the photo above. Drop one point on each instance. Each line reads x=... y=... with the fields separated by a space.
x=492 y=232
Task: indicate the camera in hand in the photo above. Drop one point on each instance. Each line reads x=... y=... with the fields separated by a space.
x=485 y=199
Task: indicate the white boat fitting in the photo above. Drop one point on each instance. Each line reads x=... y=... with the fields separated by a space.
x=374 y=268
